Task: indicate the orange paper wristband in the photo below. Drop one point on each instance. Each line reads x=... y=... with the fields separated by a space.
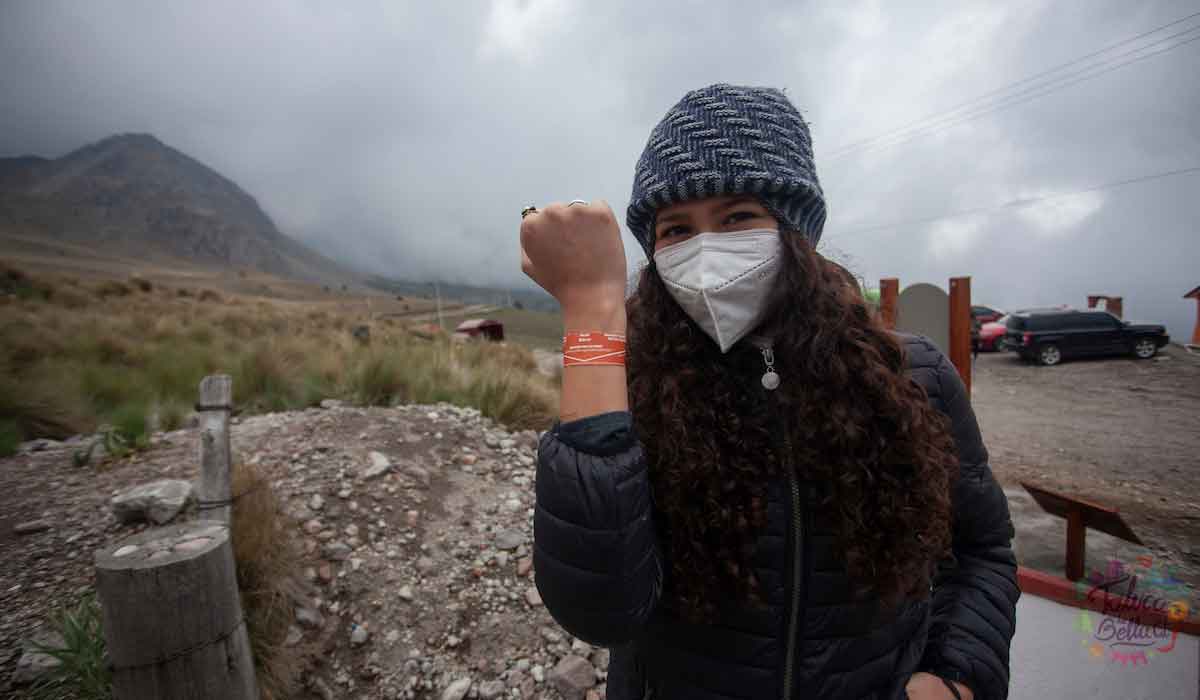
x=593 y=348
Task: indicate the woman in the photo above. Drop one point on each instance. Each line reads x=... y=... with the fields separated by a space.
x=777 y=498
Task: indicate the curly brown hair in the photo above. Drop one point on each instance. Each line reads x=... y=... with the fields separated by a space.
x=857 y=425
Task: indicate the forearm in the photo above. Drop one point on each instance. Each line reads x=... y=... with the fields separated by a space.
x=592 y=390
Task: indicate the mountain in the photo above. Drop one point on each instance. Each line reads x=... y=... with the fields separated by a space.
x=131 y=194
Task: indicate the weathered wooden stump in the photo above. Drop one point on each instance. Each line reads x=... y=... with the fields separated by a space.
x=216 y=456
x=172 y=617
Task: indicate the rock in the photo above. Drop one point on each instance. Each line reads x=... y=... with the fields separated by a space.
x=158 y=501
x=572 y=677
x=33 y=664
x=490 y=690
x=405 y=593
x=425 y=565
x=313 y=526
x=539 y=673
x=468 y=460
x=509 y=539
x=294 y=635
x=420 y=474
x=411 y=518
x=507 y=444
x=316 y=502
x=524 y=566
x=337 y=551
x=307 y=617
x=379 y=466
x=592 y=694
x=457 y=690
x=31 y=527
x=359 y=635
x=325 y=572
x=329 y=404
x=533 y=597
x=600 y=658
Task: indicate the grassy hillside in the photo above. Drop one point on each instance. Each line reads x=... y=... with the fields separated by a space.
x=78 y=354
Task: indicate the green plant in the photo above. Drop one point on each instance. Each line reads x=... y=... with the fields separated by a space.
x=10 y=437
x=128 y=432
x=82 y=673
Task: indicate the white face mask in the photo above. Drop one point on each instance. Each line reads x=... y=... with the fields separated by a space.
x=722 y=280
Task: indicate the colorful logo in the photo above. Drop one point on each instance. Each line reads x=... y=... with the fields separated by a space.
x=1139 y=617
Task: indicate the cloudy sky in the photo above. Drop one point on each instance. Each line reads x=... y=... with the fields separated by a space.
x=406 y=136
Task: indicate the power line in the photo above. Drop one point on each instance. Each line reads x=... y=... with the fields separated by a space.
x=928 y=120
x=1010 y=102
x=1017 y=203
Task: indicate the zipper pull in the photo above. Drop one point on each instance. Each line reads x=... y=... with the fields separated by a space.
x=770 y=380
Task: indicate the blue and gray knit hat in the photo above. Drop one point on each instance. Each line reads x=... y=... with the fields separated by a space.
x=729 y=139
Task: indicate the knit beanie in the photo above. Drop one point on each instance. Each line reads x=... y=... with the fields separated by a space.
x=724 y=140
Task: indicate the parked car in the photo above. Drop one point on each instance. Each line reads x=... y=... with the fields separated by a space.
x=1048 y=336
x=985 y=314
x=992 y=336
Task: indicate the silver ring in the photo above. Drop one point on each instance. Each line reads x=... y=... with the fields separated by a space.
x=578 y=201
x=531 y=209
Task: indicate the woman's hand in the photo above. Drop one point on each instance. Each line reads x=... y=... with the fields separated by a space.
x=926 y=686
x=575 y=253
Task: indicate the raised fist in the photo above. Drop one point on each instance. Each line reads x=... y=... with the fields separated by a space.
x=575 y=253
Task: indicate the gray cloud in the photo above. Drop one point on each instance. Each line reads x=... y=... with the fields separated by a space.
x=405 y=137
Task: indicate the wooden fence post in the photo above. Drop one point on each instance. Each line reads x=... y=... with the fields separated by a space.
x=960 y=328
x=172 y=617
x=889 y=295
x=216 y=457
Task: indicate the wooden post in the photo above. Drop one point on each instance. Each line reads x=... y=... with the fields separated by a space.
x=960 y=328
x=172 y=617
x=1076 y=544
x=889 y=297
x=216 y=457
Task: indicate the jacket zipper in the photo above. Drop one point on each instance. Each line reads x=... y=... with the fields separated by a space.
x=797 y=573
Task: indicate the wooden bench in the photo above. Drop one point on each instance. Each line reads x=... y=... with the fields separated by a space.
x=1080 y=515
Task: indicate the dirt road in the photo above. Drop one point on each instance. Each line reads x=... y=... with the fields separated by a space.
x=1120 y=432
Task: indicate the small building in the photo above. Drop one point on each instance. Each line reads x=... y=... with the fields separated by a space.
x=1113 y=305
x=1195 y=294
x=486 y=329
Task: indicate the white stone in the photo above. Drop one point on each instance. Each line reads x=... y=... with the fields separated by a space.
x=457 y=690
x=380 y=465
x=158 y=501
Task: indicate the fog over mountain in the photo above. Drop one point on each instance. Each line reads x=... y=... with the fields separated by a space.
x=404 y=138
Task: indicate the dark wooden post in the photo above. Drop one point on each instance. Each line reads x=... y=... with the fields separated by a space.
x=172 y=617
x=960 y=328
x=889 y=297
x=1076 y=544
x=216 y=457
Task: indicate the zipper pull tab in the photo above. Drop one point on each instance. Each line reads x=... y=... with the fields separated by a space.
x=770 y=380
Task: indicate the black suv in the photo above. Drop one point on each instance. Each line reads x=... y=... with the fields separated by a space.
x=1050 y=335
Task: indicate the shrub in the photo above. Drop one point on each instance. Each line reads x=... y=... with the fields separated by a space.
x=113 y=288
x=209 y=295
x=10 y=437
x=267 y=564
x=83 y=672
x=130 y=430
x=141 y=284
x=40 y=408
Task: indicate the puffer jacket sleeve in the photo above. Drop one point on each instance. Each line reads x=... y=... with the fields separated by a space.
x=975 y=592
x=597 y=560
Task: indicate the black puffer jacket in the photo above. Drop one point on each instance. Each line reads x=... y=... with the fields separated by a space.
x=599 y=570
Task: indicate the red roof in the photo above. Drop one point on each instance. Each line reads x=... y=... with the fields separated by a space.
x=1194 y=294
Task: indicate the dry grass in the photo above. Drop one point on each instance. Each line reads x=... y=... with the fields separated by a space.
x=268 y=563
x=76 y=355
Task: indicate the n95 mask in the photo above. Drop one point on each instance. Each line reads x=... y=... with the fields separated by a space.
x=722 y=280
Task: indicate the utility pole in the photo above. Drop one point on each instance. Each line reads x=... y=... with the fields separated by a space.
x=438 y=290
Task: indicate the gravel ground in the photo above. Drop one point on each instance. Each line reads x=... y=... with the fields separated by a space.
x=1120 y=432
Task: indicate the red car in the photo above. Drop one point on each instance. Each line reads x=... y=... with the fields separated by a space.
x=991 y=336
